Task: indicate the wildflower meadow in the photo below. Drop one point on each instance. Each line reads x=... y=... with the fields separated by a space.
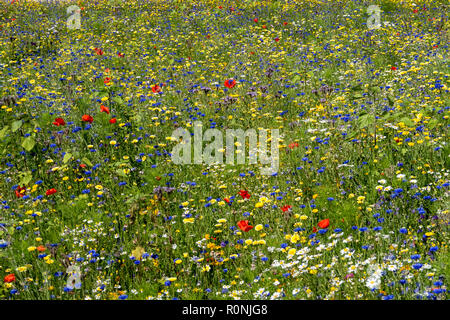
x=220 y=150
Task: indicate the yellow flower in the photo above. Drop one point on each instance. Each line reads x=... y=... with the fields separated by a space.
x=188 y=220
x=295 y=238
x=206 y=268
x=259 y=227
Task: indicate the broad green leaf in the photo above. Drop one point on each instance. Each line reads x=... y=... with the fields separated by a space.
x=432 y=123
x=26 y=178
x=408 y=122
x=67 y=157
x=121 y=173
x=118 y=100
x=4 y=131
x=364 y=120
x=86 y=161
x=357 y=95
x=28 y=143
x=296 y=78
x=375 y=89
x=16 y=125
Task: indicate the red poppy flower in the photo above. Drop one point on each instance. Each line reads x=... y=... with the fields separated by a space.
x=394 y=68
x=293 y=145
x=156 y=88
x=314 y=229
x=9 y=278
x=82 y=165
x=264 y=26
x=284 y=23
x=244 y=194
x=244 y=226
x=104 y=109
x=230 y=83
x=227 y=200
x=255 y=20
x=113 y=120
x=324 y=223
x=87 y=118
x=277 y=39
x=121 y=55
x=59 y=122
x=98 y=51
x=50 y=191
x=20 y=191
x=286 y=208
x=107 y=80
x=415 y=10
x=41 y=248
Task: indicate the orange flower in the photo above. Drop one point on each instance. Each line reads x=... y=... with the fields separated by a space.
x=104 y=109
x=9 y=278
x=59 y=122
x=87 y=118
x=51 y=191
x=244 y=194
x=230 y=83
x=20 y=191
x=41 y=248
x=156 y=88
x=324 y=223
x=244 y=226
x=98 y=51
